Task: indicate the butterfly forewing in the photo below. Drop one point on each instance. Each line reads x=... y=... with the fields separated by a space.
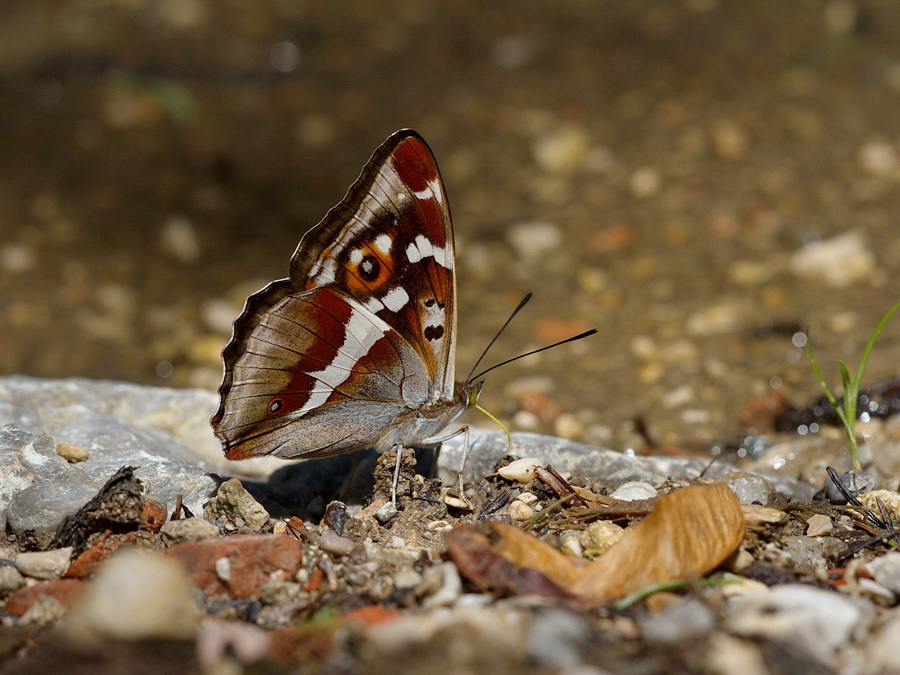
x=389 y=244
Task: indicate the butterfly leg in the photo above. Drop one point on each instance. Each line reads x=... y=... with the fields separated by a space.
x=398 y=449
x=464 y=430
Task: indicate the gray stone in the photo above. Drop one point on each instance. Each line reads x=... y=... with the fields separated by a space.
x=750 y=488
x=233 y=504
x=556 y=638
x=886 y=570
x=817 y=622
x=685 y=620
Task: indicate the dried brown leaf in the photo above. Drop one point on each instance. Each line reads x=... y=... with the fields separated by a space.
x=691 y=532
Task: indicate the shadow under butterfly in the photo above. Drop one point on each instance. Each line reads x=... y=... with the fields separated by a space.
x=356 y=348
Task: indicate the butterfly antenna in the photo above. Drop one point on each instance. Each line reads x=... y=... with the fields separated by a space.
x=499 y=332
x=522 y=356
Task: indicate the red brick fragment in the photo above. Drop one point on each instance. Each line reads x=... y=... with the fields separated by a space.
x=370 y=615
x=104 y=546
x=64 y=590
x=252 y=558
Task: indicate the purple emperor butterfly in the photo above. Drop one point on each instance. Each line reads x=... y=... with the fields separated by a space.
x=356 y=348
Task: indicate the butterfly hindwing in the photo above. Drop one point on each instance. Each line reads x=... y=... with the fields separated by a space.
x=321 y=357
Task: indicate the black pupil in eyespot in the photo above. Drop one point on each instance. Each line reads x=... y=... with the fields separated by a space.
x=275 y=406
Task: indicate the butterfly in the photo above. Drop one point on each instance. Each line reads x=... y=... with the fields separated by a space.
x=356 y=348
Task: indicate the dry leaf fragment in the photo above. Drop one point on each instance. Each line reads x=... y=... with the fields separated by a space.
x=691 y=532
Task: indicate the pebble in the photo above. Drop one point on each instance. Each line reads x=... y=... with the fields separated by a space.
x=407 y=578
x=599 y=536
x=715 y=320
x=233 y=504
x=10 y=578
x=750 y=488
x=889 y=498
x=881 y=653
x=187 y=529
x=179 y=239
x=570 y=544
x=45 y=610
x=135 y=596
x=686 y=620
x=839 y=262
x=44 y=564
x=634 y=490
x=645 y=182
x=386 y=512
x=814 y=621
x=72 y=453
x=520 y=470
x=456 y=502
x=534 y=239
x=334 y=543
x=878 y=158
x=886 y=571
x=561 y=151
x=450 y=590
x=819 y=525
x=803 y=554
x=218 y=642
x=556 y=638
x=520 y=511
x=729 y=140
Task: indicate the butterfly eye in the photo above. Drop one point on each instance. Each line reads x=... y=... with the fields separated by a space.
x=275 y=406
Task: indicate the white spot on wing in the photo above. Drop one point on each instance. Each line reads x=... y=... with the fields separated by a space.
x=435 y=186
x=424 y=194
x=423 y=248
x=356 y=256
x=395 y=299
x=383 y=243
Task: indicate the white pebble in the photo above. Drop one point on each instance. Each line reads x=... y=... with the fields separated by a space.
x=223 y=568
x=535 y=239
x=840 y=261
x=819 y=525
x=634 y=490
x=519 y=511
x=521 y=470
x=44 y=564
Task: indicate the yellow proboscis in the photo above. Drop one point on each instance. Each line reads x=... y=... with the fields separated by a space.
x=502 y=426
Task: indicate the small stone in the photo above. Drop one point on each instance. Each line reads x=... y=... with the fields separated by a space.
x=438 y=526
x=386 y=513
x=222 y=567
x=645 y=182
x=187 y=529
x=750 y=488
x=599 y=536
x=819 y=525
x=840 y=261
x=634 y=490
x=179 y=239
x=562 y=151
x=407 y=578
x=533 y=240
x=886 y=571
x=334 y=543
x=729 y=140
x=889 y=498
x=456 y=502
x=136 y=596
x=814 y=621
x=520 y=470
x=681 y=622
x=451 y=587
x=571 y=545
x=878 y=158
x=235 y=505
x=278 y=592
x=44 y=564
x=519 y=511
x=71 y=453
x=10 y=579
x=45 y=610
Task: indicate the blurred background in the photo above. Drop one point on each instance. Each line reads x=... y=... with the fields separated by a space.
x=700 y=179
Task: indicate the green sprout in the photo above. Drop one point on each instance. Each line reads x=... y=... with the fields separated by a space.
x=847 y=412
